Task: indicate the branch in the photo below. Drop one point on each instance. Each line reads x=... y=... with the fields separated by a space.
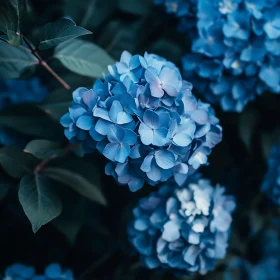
x=44 y=63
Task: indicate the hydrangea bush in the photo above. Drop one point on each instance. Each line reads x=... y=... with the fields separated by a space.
x=145 y=120
x=236 y=54
x=271 y=182
x=22 y=272
x=183 y=229
x=21 y=91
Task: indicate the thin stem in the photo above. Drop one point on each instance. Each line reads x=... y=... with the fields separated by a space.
x=44 y=63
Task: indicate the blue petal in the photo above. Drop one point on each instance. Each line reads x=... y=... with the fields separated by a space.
x=165 y=159
x=90 y=98
x=147 y=163
x=53 y=271
x=130 y=137
x=171 y=232
x=155 y=173
x=191 y=254
x=146 y=134
x=159 y=137
x=115 y=109
x=126 y=57
x=151 y=119
x=122 y=153
x=111 y=150
x=102 y=127
x=85 y=122
x=95 y=135
x=182 y=139
x=200 y=116
x=135 y=184
x=270 y=76
x=65 y=120
x=115 y=134
x=101 y=113
x=76 y=111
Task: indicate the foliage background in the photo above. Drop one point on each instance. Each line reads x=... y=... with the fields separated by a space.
x=91 y=238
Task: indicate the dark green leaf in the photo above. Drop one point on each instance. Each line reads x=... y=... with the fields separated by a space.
x=59 y=31
x=38 y=200
x=44 y=149
x=83 y=58
x=17 y=163
x=4 y=187
x=135 y=7
x=92 y=13
x=11 y=14
x=14 y=60
x=77 y=182
x=30 y=120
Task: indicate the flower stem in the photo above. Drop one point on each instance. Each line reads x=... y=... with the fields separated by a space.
x=44 y=63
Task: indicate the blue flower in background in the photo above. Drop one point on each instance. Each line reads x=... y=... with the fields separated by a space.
x=183 y=229
x=21 y=91
x=268 y=265
x=185 y=10
x=14 y=92
x=22 y=272
x=235 y=55
x=271 y=182
x=145 y=120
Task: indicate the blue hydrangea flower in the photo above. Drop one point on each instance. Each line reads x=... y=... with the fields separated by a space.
x=145 y=120
x=267 y=267
x=236 y=53
x=21 y=91
x=21 y=272
x=271 y=182
x=183 y=229
x=185 y=10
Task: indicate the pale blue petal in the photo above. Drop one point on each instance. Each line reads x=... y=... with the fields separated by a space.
x=102 y=127
x=151 y=119
x=122 y=152
x=115 y=109
x=101 y=113
x=85 y=122
x=111 y=150
x=146 y=134
x=115 y=134
x=182 y=139
x=165 y=159
x=65 y=120
x=147 y=163
x=159 y=137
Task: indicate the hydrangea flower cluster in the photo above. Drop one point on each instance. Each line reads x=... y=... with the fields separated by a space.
x=145 y=120
x=183 y=229
x=184 y=10
x=268 y=267
x=237 y=53
x=21 y=91
x=21 y=272
x=271 y=183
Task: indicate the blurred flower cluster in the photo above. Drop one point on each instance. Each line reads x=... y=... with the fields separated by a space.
x=14 y=92
x=21 y=91
x=185 y=11
x=271 y=183
x=21 y=272
x=183 y=229
x=268 y=265
x=145 y=120
x=235 y=55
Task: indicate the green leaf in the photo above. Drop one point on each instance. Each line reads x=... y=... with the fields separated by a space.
x=135 y=7
x=14 y=60
x=4 y=187
x=61 y=30
x=30 y=120
x=44 y=149
x=84 y=58
x=17 y=163
x=38 y=200
x=92 y=13
x=11 y=14
x=76 y=182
